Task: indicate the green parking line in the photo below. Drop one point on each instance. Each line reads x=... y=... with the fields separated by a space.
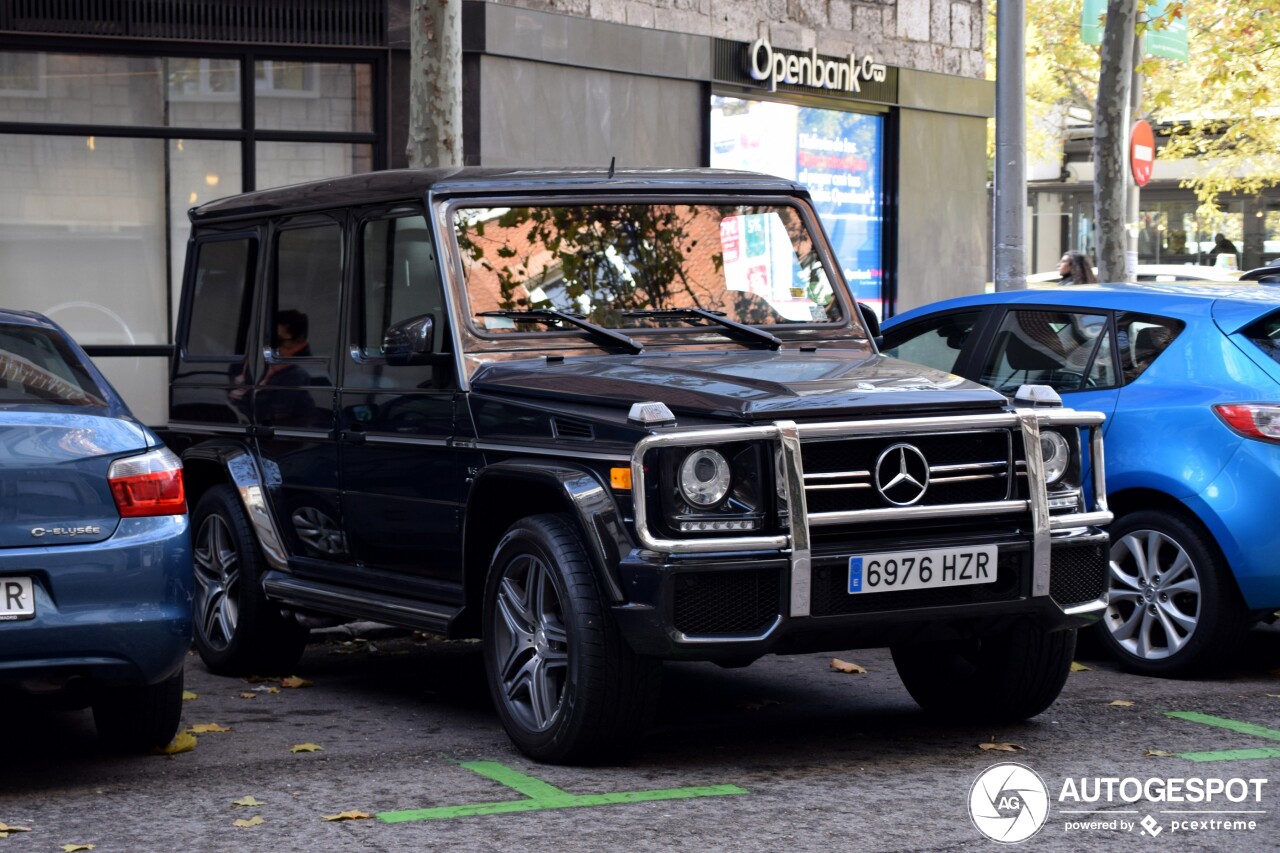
x=1237 y=726
x=544 y=796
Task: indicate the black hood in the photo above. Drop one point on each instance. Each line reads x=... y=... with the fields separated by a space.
x=743 y=385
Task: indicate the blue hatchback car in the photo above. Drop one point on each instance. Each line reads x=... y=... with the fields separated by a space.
x=95 y=555
x=1189 y=378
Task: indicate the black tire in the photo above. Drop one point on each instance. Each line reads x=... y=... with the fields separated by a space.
x=567 y=687
x=1173 y=606
x=237 y=630
x=1004 y=677
x=138 y=718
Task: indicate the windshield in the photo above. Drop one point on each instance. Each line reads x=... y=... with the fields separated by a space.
x=751 y=264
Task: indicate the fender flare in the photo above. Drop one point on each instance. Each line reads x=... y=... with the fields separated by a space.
x=246 y=474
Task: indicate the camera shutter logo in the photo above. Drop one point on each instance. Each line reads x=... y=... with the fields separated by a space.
x=1009 y=802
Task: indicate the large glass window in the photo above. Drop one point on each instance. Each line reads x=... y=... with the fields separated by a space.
x=837 y=155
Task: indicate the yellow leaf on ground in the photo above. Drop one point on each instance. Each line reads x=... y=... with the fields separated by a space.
x=844 y=666
x=349 y=815
x=1158 y=753
x=1003 y=747
x=248 y=695
x=1079 y=667
x=187 y=695
x=5 y=829
x=272 y=690
x=182 y=742
x=1272 y=695
x=1121 y=703
x=72 y=848
x=250 y=800
x=242 y=823
x=205 y=728
x=294 y=682
x=305 y=747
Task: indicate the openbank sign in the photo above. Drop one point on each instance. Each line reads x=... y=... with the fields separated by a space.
x=799 y=69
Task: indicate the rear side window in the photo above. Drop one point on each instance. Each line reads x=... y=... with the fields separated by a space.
x=1142 y=338
x=1265 y=334
x=934 y=342
x=37 y=367
x=220 y=306
x=308 y=279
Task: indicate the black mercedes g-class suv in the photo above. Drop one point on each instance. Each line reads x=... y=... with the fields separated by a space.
x=600 y=420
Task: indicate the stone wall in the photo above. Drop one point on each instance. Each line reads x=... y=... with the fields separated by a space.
x=945 y=36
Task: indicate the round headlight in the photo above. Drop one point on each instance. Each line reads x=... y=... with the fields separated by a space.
x=1056 y=454
x=704 y=477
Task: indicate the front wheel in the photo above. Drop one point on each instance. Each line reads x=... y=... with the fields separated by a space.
x=566 y=686
x=1173 y=608
x=1004 y=677
x=237 y=630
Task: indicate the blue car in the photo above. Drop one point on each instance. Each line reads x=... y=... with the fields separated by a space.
x=95 y=554
x=1189 y=379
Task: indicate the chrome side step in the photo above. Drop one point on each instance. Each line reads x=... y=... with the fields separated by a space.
x=357 y=604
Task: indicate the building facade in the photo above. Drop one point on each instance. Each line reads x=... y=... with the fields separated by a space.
x=117 y=117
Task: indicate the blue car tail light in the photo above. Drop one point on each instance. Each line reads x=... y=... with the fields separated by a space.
x=150 y=484
x=1259 y=421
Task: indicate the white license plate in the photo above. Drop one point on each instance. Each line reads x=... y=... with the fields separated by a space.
x=939 y=567
x=17 y=600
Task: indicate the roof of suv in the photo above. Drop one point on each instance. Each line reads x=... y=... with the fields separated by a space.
x=373 y=187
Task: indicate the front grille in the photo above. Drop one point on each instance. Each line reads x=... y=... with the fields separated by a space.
x=1078 y=574
x=831 y=597
x=744 y=601
x=964 y=467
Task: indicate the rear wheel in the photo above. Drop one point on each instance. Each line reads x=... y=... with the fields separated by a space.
x=138 y=718
x=1173 y=608
x=237 y=630
x=1001 y=678
x=566 y=686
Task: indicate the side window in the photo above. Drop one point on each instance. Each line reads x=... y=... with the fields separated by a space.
x=399 y=279
x=934 y=341
x=220 y=298
x=1142 y=338
x=1047 y=347
x=308 y=267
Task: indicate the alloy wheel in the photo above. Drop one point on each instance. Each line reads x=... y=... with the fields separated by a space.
x=531 y=642
x=217 y=564
x=1153 y=606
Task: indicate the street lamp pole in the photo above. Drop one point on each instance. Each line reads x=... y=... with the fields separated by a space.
x=1009 y=260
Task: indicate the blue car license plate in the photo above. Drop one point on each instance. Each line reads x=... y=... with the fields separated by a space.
x=17 y=601
x=905 y=570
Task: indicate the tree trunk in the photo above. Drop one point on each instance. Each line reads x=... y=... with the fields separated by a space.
x=435 y=83
x=1110 y=138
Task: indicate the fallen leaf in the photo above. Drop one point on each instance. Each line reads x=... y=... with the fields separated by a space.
x=248 y=695
x=250 y=800
x=5 y=829
x=1158 y=753
x=1272 y=695
x=1079 y=667
x=1003 y=747
x=267 y=688
x=242 y=823
x=1121 y=703
x=305 y=747
x=757 y=704
x=844 y=666
x=205 y=728
x=187 y=695
x=293 y=682
x=349 y=815
x=182 y=742
x=71 y=848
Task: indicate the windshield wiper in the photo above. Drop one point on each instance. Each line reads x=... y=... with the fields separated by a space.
x=551 y=315
x=733 y=328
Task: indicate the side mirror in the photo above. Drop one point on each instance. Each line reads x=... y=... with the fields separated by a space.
x=410 y=341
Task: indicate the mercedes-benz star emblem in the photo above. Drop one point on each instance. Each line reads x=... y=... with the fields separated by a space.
x=902 y=474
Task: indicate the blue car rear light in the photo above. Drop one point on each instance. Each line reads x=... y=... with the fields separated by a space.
x=1259 y=421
